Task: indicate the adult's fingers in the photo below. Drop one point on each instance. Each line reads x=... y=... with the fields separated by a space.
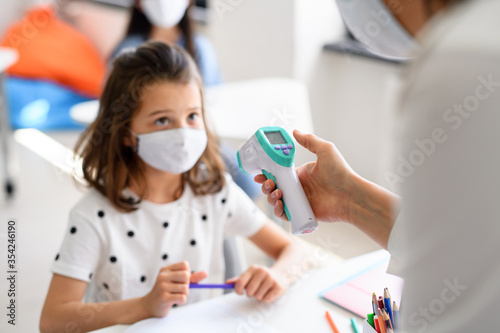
x=311 y=142
x=279 y=210
x=260 y=178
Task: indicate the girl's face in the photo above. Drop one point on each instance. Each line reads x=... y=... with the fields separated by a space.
x=168 y=106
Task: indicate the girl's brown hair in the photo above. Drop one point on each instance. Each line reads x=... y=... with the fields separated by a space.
x=108 y=164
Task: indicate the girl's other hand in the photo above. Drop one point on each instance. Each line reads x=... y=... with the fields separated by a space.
x=171 y=287
x=260 y=282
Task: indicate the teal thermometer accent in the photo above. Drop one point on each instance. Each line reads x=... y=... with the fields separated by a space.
x=271 y=151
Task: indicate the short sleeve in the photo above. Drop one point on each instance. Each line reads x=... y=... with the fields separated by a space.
x=244 y=218
x=79 y=253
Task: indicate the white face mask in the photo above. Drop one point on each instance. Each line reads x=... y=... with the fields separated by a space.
x=164 y=13
x=373 y=24
x=174 y=150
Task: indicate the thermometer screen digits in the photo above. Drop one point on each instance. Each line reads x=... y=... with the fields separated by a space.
x=275 y=138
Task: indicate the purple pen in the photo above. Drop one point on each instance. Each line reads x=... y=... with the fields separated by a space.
x=223 y=286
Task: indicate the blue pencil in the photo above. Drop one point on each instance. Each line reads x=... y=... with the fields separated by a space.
x=387 y=303
x=395 y=311
x=223 y=286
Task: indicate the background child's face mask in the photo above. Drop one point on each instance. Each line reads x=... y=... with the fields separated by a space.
x=164 y=13
x=174 y=150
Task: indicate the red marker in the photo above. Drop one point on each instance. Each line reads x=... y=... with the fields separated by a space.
x=377 y=324
x=381 y=302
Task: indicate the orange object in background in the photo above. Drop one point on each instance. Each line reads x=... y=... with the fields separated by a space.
x=50 y=49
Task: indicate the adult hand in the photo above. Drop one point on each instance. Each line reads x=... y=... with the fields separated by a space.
x=327 y=182
x=171 y=287
x=336 y=193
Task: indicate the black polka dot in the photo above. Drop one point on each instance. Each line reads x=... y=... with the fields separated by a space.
x=229 y=214
x=112 y=259
x=57 y=256
x=100 y=213
x=165 y=224
x=130 y=234
x=73 y=230
x=193 y=242
x=143 y=278
x=174 y=306
x=164 y=256
x=192 y=272
x=105 y=285
x=90 y=276
x=223 y=200
x=204 y=217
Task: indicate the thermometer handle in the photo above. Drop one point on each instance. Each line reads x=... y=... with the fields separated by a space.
x=295 y=202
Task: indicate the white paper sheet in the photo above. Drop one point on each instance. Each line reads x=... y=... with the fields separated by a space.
x=220 y=315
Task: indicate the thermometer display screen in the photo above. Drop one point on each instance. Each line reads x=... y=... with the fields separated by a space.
x=275 y=138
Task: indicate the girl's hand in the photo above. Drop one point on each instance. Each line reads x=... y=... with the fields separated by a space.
x=171 y=287
x=328 y=182
x=259 y=282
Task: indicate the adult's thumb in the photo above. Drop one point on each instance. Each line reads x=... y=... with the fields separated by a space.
x=309 y=141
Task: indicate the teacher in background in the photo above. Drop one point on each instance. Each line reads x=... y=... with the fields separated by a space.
x=444 y=232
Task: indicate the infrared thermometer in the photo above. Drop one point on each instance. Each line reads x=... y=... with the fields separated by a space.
x=271 y=151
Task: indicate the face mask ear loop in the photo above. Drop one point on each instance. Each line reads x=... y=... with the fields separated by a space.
x=136 y=148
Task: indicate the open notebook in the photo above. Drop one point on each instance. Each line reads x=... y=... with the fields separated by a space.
x=355 y=293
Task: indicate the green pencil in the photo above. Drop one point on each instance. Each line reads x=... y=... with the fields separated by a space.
x=354 y=325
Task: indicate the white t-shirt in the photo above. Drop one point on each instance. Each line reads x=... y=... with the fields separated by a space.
x=120 y=254
x=446 y=239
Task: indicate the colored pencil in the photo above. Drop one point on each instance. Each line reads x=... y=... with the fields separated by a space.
x=354 y=325
x=330 y=321
x=211 y=286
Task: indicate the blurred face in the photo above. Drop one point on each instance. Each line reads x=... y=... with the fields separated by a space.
x=168 y=106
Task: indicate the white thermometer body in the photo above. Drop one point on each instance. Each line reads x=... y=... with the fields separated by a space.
x=271 y=151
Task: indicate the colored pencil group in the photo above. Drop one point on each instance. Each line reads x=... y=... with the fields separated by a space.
x=385 y=316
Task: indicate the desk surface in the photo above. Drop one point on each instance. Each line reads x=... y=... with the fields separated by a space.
x=299 y=310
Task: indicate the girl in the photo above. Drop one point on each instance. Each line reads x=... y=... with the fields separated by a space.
x=169 y=21
x=159 y=206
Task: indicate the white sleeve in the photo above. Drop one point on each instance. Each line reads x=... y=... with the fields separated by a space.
x=447 y=168
x=244 y=218
x=79 y=254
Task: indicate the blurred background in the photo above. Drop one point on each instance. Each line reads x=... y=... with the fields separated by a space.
x=288 y=63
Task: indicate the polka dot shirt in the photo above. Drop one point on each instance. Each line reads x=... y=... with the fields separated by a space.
x=120 y=254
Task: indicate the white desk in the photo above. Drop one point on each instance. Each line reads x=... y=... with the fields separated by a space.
x=299 y=310
x=238 y=109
